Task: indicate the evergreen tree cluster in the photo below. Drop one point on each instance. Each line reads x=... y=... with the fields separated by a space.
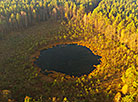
x=15 y=14
x=118 y=20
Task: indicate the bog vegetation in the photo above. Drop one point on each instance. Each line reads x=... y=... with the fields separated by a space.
x=108 y=27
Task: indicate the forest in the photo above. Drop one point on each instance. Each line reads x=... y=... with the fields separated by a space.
x=109 y=28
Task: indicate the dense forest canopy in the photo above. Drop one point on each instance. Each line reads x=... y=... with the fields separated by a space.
x=109 y=28
x=15 y=14
x=118 y=19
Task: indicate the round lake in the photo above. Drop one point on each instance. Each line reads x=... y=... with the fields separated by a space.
x=69 y=59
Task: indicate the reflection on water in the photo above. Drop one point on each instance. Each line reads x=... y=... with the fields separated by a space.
x=70 y=59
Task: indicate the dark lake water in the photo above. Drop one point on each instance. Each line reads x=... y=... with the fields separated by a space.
x=69 y=59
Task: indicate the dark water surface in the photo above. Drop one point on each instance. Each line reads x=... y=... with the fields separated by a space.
x=70 y=59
